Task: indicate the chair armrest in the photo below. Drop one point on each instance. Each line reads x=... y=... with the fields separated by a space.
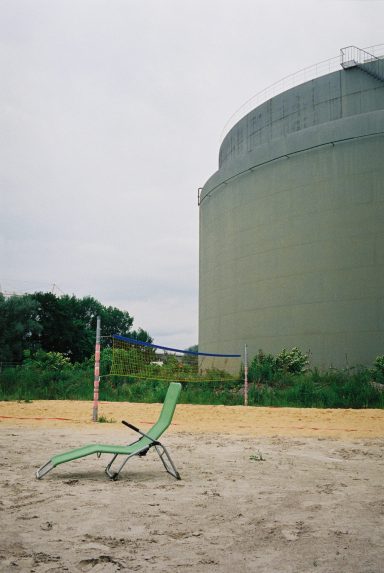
x=139 y=431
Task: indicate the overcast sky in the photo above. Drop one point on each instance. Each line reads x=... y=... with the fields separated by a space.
x=111 y=116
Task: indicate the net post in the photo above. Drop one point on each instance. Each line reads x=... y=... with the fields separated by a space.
x=245 y=375
x=96 y=379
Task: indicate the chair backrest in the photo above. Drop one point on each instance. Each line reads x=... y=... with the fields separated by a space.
x=167 y=411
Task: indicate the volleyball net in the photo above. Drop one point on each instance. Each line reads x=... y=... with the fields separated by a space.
x=141 y=360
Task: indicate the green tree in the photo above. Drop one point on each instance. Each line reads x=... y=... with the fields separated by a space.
x=194 y=348
x=63 y=324
x=69 y=324
x=18 y=326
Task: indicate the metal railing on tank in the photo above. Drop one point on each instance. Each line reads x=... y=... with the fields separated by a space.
x=373 y=64
x=306 y=74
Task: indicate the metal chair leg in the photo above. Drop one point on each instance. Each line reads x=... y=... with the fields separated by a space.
x=167 y=461
x=115 y=474
x=44 y=469
x=162 y=453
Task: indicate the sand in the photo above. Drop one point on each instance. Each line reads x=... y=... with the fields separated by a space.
x=262 y=490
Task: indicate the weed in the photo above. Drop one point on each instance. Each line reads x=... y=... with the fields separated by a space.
x=105 y=420
x=257 y=457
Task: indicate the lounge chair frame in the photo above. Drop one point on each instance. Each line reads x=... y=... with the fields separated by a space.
x=139 y=447
x=159 y=447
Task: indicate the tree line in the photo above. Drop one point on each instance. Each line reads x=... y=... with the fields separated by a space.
x=65 y=324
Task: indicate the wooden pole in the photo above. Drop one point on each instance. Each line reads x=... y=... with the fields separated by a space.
x=96 y=380
x=245 y=375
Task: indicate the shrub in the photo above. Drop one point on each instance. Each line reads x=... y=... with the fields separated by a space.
x=53 y=361
x=377 y=371
x=263 y=368
x=294 y=361
x=268 y=368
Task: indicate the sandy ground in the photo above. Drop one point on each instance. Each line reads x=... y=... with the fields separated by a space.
x=262 y=490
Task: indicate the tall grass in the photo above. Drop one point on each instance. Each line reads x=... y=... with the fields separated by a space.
x=332 y=389
x=311 y=389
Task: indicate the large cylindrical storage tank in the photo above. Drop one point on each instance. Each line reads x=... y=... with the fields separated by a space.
x=292 y=226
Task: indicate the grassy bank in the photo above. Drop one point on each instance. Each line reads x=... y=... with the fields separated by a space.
x=332 y=389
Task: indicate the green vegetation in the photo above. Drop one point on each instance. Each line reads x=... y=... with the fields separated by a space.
x=66 y=324
x=332 y=389
x=286 y=380
x=47 y=347
x=268 y=368
x=283 y=380
x=105 y=420
x=257 y=457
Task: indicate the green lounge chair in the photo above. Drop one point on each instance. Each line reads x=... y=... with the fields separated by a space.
x=137 y=448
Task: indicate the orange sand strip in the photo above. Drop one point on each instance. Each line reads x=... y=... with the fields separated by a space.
x=252 y=421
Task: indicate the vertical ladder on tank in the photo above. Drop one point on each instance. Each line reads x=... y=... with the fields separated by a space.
x=353 y=57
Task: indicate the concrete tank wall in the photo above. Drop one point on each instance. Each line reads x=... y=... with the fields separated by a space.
x=292 y=226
